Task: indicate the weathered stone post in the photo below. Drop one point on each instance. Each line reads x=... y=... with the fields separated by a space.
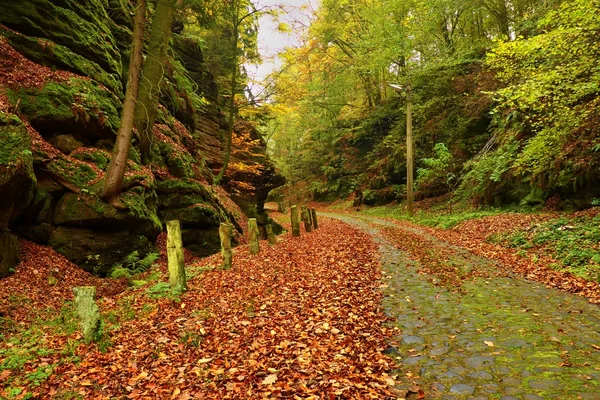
x=306 y=219
x=177 y=278
x=270 y=234
x=225 y=235
x=253 y=236
x=295 y=222
x=87 y=311
x=313 y=213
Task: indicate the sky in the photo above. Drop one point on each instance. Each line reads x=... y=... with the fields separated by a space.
x=271 y=41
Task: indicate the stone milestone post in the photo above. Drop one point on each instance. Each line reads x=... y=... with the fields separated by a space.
x=270 y=234
x=295 y=222
x=88 y=313
x=225 y=235
x=306 y=219
x=177 y=278
x=313 y=213
x=253 y=236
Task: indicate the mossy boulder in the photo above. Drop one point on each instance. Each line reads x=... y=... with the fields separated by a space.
x=90 y=212
x=82 y=27
x=65 y=143
x=9 y=253
x=97 y=251
x=17 y=180
x=201 y=242
x=203 y=215
x=50 y=54
x=80 y=107
x=182 y=186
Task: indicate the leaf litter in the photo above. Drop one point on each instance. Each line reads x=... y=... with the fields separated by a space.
x=299 y=320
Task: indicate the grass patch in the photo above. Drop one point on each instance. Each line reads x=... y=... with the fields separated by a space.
x=22 y=350
x=573 y=242
x=438 y=219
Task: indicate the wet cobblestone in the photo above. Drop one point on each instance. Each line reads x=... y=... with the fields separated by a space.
x=500 y=338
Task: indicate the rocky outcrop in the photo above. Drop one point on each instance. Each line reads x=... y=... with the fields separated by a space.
x=61 y=85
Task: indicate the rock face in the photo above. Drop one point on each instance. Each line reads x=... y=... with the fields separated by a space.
x=61 y=85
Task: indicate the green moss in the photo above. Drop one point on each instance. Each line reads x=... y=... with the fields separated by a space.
x=99 y=157
x=199 y=214
x=79 y=105
x=15 y=140
x=180 y=163
x=187 y=186
x=52 y=55
x=82 y=27
x=79 y=174
x=137 y=201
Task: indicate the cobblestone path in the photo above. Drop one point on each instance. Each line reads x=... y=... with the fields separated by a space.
x=502 y=337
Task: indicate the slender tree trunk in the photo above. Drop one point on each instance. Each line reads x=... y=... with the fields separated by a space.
x=234 y=72
x=153 y=73
x=113 y=184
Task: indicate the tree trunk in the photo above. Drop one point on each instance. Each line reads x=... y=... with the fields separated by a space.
x=233 y=85
x=113 y=184
x=314 y=218
x=153 y=74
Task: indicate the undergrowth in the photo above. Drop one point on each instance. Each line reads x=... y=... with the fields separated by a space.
x=573 y=242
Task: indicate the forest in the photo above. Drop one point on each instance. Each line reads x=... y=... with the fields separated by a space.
x=303 y=199
x=504 y=95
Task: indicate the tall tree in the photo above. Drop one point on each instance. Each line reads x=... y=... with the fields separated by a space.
x=239 y=12
x=113 y=184
x=153 y=72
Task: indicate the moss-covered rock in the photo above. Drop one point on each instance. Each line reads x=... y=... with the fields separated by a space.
x=201 y=242
x=99 y=157
x=17 y=180
x=90 y=212
x=50 y=54
x=81 y=27
x=77 y=174
x=65 y=143
x=183 y=186
x=9 y=253
x=202 y=215
x=97 y=251
x=81 y=108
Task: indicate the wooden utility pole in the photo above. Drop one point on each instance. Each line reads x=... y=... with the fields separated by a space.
x=409 y=153
x=409 y=147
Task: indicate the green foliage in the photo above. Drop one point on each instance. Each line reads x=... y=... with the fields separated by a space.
x=133 y=265
x=573 y=242
x=552 y=87
x=437 y=170
x=160 y=290
x=27 y=345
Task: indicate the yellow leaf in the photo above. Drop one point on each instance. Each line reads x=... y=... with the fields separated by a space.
x=488 y=343
x=141 y=376
x=270 y=379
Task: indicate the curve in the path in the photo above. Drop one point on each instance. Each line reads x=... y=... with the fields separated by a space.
x=500 y=337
